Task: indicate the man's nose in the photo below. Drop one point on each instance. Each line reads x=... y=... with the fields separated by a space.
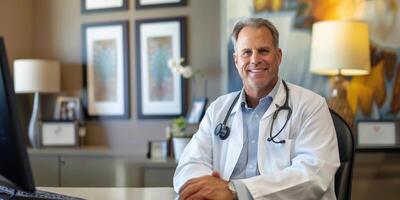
x=255 y=58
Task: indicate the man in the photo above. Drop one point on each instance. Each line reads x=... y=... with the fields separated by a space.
x=281 y=144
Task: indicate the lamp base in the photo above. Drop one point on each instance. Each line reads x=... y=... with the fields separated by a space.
x=34 y=127
x=338 y=99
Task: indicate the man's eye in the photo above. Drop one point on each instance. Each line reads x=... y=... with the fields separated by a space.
x=246 y=53
x=264 y=51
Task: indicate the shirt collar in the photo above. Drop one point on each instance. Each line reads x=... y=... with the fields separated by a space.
x=271 y=94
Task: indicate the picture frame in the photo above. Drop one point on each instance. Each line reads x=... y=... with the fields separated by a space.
x=157 y=150
x=94 y=6
x=378 y=134
x=59 y=133
x=144 y=4
x=67 y=108
x=106 y=70
x=161 y=93
x=197 y=110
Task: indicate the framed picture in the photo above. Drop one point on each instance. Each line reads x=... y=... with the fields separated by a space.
x=160 y=92
x=197 y=110
x=59 y=133
x=377 y=133
x=90 y=6
x=105 y=70
x=157 y=150
x=141 y=4
x=67 y=108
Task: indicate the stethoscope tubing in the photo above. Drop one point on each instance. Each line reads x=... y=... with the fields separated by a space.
x=223 y=131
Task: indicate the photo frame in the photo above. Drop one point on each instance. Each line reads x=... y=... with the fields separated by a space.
x=161 y=93
x=94 y=6
x=378 y=134
x=197 y=110
x=143 y=4
x=106 y=70
x=56 y=133
x=157 y=150
x=67 y=108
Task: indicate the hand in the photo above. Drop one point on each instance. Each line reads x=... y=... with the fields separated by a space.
x=206 y=187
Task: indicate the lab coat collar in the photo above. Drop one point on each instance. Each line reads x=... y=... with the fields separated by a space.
x=278 y=101
x=278 y=95
x=237 y=106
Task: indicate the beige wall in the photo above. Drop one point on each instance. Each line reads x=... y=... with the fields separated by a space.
x=57 y=35
x=16 y=27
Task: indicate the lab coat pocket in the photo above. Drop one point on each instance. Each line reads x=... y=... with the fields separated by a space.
x=278 y=155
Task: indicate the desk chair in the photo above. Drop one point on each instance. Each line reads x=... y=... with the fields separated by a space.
x=344 y=174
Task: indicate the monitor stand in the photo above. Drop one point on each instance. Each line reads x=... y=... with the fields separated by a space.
x=5 y=186
x=6 y=183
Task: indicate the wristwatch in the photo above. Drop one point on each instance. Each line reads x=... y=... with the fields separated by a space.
x=232 y=188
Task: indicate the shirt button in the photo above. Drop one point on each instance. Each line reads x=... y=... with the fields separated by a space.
x=251 y=166
x=253 y=141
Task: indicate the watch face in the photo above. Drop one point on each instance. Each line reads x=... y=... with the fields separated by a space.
x=231 y=187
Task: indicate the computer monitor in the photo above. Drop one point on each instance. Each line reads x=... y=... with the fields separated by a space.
x=14 y=162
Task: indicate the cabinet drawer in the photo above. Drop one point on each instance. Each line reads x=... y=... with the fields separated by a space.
x=45 y=170
x=158 y=177
x=85 y=171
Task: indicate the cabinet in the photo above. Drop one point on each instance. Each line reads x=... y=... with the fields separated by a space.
x=73 y=168
x=159 y=173
x=97 y=168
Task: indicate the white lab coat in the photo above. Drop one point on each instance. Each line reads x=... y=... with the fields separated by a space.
x=302 y=168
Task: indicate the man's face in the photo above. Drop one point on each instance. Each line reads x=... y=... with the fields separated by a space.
x=256 y=58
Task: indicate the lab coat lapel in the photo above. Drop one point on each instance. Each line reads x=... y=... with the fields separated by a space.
x=265 y=124
x=277 y=101
x=234 y=141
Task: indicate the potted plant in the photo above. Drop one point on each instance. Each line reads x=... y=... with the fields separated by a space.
x=181 y=135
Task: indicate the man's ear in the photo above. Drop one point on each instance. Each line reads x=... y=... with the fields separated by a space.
x=235 y=57
x=279 y=54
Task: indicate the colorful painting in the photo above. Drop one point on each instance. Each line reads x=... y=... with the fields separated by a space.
x=273 y=5
x=161 y=93
x=105 y=70
x=374 y=96
x=160 y=77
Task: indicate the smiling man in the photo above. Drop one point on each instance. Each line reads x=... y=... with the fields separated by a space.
x=271 y=140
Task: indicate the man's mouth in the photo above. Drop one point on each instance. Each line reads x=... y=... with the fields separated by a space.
x=258 y=70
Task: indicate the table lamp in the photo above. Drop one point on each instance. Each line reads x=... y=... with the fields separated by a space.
x=340 y=48
x=36 y=76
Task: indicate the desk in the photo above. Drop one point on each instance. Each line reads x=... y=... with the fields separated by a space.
x=151 y=193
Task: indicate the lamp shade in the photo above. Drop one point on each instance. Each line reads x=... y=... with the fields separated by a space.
x=36 y=75
x=340 y=48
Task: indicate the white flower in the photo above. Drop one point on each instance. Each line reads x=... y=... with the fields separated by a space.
x=184 y=71
x=171 y=63
x=187 y=72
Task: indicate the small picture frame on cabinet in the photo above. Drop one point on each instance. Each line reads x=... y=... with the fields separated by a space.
x=197 y=110
x=59 y=133
x=157 y=150
x=378 y=134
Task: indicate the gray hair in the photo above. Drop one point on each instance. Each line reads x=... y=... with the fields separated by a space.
x=255 y=23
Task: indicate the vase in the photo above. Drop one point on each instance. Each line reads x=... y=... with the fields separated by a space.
x=179 y=144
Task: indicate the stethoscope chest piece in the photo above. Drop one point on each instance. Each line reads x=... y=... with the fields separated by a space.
x=222 y=131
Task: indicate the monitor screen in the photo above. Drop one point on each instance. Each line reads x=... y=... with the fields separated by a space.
x=14 y=162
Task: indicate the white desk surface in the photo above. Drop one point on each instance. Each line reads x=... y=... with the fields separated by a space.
x=117 y=193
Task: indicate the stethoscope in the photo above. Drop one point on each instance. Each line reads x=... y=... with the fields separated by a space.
x=223 y=131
